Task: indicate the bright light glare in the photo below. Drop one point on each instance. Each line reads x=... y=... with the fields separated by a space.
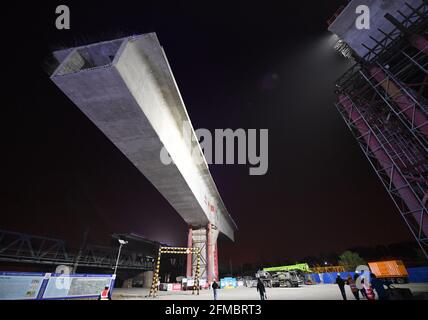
x=343 y=48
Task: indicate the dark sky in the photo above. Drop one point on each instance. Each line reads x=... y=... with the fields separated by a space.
x=243 y=65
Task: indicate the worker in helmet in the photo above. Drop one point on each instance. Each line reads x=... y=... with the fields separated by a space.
x=359 y=278
x=341 y=284
x=378 y=286
x=368 y=287
x=261 y=289
x=215 y=286
x=105 y=294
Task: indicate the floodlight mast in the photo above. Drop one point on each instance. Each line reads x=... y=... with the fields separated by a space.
x=121 y=243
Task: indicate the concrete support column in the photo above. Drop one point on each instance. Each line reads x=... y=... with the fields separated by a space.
x=206 y=240
x=199 y=237
x=190 y=255
x=212 y=261
x=147 y=279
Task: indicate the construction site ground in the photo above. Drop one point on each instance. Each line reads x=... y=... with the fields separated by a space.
x=305 y=292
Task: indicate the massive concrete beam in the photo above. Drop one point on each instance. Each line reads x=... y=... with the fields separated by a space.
x=126 y=88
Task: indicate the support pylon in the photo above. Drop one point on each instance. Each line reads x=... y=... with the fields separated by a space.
x=154 y=288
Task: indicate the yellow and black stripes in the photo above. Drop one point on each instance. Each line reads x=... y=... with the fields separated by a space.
x=175 y=250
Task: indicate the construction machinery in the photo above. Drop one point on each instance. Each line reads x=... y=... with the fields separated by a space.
x=278 y=279
x=300 y=269
x=299 y=266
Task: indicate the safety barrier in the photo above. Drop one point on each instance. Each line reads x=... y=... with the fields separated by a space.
x=419 y=274
x=51 y=286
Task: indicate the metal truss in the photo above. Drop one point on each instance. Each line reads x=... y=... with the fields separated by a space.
x=415 y=22
x=18 y=247
x=397 y=72
x=98 y=256
x=387 y=138
x=200 y=243
x=383 y=99
x=23 y=248
x=413 y=104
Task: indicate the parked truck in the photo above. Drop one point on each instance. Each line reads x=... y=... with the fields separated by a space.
x=393 y=270
x=300 y=269
x=278 y=279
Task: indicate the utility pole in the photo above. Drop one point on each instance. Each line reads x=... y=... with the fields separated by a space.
x=121 y=243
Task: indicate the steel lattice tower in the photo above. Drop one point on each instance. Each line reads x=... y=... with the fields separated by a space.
x=383 y=99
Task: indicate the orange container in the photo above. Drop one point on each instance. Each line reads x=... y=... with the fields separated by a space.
x=389 y=269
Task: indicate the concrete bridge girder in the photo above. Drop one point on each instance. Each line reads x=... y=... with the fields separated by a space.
x=126 y=88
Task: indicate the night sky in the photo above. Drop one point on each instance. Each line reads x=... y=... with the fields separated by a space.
x=244 y=65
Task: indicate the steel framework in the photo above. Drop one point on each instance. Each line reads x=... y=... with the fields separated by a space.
x=24 y=248
x=176 y=250
x=383 y=100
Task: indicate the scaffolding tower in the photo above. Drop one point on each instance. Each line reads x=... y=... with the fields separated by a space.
x=383 y=99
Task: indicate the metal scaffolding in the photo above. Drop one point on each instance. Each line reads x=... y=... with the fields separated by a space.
x=383 y=99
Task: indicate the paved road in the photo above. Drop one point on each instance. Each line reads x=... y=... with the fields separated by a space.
x=315 y=292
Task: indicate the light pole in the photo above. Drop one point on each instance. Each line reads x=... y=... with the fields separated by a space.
x=121 y=243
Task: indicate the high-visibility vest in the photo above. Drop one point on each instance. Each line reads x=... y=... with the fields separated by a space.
x=370 y=294
x=104 y=294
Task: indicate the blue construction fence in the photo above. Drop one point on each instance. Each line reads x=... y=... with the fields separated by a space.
x=419 y=274
x=328 y=277
x=51 y=286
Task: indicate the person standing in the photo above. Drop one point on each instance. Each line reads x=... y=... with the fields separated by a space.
x=105 y=294
x=360 y=278
x=341 y=284
x=378 y=286
x=368 y=288
x=215 y=288
x=351 y=283
x=261 y=289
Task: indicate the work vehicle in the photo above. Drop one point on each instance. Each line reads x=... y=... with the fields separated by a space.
x=278 y=279
x=300 y=269
x=393 y=270
x=304 y=267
